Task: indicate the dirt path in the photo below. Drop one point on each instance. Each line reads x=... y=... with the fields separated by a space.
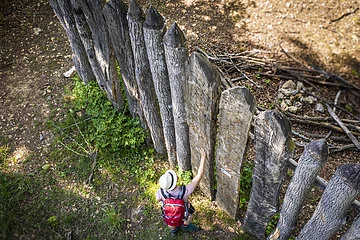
x=34 y=54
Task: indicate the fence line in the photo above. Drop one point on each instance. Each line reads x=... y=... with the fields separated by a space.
x=178 y=101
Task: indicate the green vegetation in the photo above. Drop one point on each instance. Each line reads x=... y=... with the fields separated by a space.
x=95 y=180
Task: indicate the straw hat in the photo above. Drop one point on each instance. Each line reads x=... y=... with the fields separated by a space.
x=168 y=180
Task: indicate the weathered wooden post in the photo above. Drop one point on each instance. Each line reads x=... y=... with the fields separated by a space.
x=202 y=95
x=154 y=30
x=65 y=14
x=91 y=26
x=330 y=213
x=176 y=54
x=237 y=107
x=143 y=76
x=310 y=164
x=353 y=233
x=272 y=151
x=115 y=13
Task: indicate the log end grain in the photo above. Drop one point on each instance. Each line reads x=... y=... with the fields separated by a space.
x=318 y=150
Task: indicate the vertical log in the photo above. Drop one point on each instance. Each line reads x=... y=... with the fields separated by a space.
x=310 y=164
x=65 y=14
x=143 y=76
x=353 y=233
x=330 y=214
x=91 y=26
x=115 y=12
x=272 y=149
x=176 y=54
x=154 y=30
x=237 y=107
x=202 y=97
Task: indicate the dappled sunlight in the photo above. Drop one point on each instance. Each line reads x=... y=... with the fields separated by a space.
x=19 y=156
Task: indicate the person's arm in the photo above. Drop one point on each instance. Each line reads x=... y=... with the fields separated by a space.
x=200 y=172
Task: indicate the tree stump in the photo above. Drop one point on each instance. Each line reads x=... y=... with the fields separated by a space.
x=272 y=151
x=154 y=30
x=143 y=76
x=202 y=97
x=237 y=107
x=330 y=214
x=310 y=164
x=176 y=54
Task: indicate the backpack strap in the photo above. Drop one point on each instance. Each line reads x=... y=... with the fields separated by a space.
x=165 y=194
x=182 y=192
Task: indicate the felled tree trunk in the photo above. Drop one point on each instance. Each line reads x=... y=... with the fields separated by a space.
x=237 y=107
x=115 y=12
x=154 y=30
x=310 y=164
x=143 y=76
x=65 y=14
x=176 y=54
x=272 y=151
x=202 y=97
x=330 y=214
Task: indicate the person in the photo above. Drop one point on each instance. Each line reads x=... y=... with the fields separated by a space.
x=168 y=182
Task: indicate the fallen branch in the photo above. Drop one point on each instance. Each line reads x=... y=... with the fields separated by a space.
x=93 y=157
x=343 y=127
x=320 y=182
x=344 y=15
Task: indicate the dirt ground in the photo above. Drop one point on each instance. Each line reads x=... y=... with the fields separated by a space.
x=34 y=53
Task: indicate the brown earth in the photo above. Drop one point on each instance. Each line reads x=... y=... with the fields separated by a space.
x=35 y=53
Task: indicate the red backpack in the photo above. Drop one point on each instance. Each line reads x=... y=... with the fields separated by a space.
x=174 y=210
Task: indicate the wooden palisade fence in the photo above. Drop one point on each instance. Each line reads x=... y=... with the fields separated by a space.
x=178 y=100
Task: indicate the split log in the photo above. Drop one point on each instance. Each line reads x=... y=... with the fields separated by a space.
x=91 y=26
x=272 y=149
x=115 y=12
x=65 y=14
x=353 y=233
x=237 y=106
x=310 y=164
x=330 y=214
x=176 y=54
x=202 y=97
x=154 y=30
x=143 y=76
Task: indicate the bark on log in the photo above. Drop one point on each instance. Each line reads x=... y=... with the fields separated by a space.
x=115 y=13
x=237 y=107
x=91 y=26
x=310 y=164
x=176 y=54
x=143 y=76
x=330 y=214
x=65 y=14
x=272 y=150
x=202 y=97
x=154 y=30
x=353 y=233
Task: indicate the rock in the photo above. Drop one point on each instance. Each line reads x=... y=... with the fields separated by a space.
x=283 y=106
x=69 y=72
x=289 y=85
x=319 y=108
x=292 y=109
x=309 y=99
x=300 y=86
